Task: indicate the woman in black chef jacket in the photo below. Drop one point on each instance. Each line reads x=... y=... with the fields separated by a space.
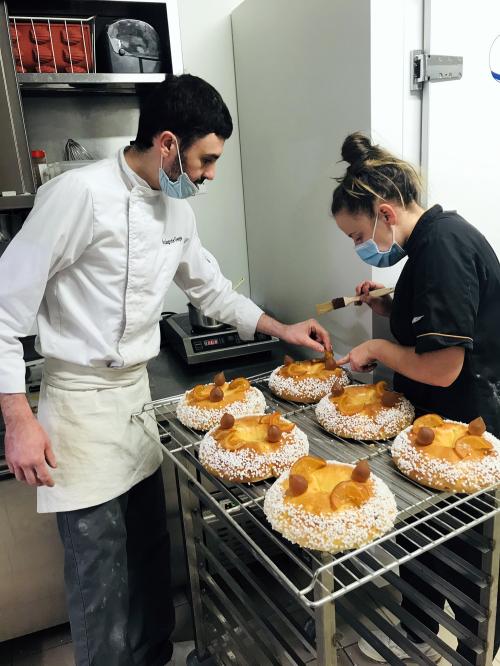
x=445 y=316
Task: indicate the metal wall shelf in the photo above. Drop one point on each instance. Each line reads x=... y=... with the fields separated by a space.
x=16 y=202
x=111 y=83
x=16 y=169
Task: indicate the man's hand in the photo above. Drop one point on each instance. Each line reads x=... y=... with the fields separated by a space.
x=27 y=447
x=381 y=305
x=361 y=358
x=306 y=333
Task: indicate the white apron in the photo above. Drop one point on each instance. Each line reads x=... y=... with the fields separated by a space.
x=100 y=451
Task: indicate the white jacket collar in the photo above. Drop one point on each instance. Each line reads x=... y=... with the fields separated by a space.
x=133 y=179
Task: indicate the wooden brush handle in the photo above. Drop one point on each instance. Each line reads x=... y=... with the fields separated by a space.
x=376 y=293
x=323 y=308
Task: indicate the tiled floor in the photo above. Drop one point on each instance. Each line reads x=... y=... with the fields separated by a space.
x=45 y=648
x=53 y=648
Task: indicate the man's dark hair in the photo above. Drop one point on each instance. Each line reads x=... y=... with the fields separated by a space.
x=187 y=106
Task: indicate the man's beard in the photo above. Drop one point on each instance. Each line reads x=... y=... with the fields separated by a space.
x=175 y=171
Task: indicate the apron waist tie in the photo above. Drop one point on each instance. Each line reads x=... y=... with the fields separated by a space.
x=73 y=377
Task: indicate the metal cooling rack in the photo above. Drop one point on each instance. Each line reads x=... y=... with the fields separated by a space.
x=426 y=518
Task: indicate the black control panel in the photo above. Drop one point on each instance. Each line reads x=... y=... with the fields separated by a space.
x=223 y=341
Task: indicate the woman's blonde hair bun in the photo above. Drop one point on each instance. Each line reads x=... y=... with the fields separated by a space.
x=373 y=174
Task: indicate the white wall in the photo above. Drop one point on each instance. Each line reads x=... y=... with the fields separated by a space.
x=102 y=124
x=461 y=117
x=303 y=83
x=396 y=113
x=396 y=29
x=207 y=51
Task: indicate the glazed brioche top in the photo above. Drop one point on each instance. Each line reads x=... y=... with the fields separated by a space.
x=261 y=433
x=366 y=399
x=219 y=393
x=322 y=487
x=316 y=368
x=450 y=440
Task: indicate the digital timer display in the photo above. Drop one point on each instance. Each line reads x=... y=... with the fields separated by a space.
x=210 y=342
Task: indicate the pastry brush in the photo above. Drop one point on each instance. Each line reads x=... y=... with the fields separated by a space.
x=342 y=301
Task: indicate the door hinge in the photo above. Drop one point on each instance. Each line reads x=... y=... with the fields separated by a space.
x=427 y=68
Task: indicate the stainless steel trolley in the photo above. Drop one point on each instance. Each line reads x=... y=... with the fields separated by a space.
x=258 y=599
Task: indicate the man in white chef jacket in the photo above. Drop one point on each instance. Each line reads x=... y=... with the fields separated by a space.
x=92 y=264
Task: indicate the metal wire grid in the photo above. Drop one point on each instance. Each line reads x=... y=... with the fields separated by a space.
x=89 y=57
x=426 y=518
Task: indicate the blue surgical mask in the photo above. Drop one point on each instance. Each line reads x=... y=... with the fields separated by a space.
x=369 y=252
x=183 y=187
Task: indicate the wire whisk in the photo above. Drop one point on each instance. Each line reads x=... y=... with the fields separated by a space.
x=75 y=151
